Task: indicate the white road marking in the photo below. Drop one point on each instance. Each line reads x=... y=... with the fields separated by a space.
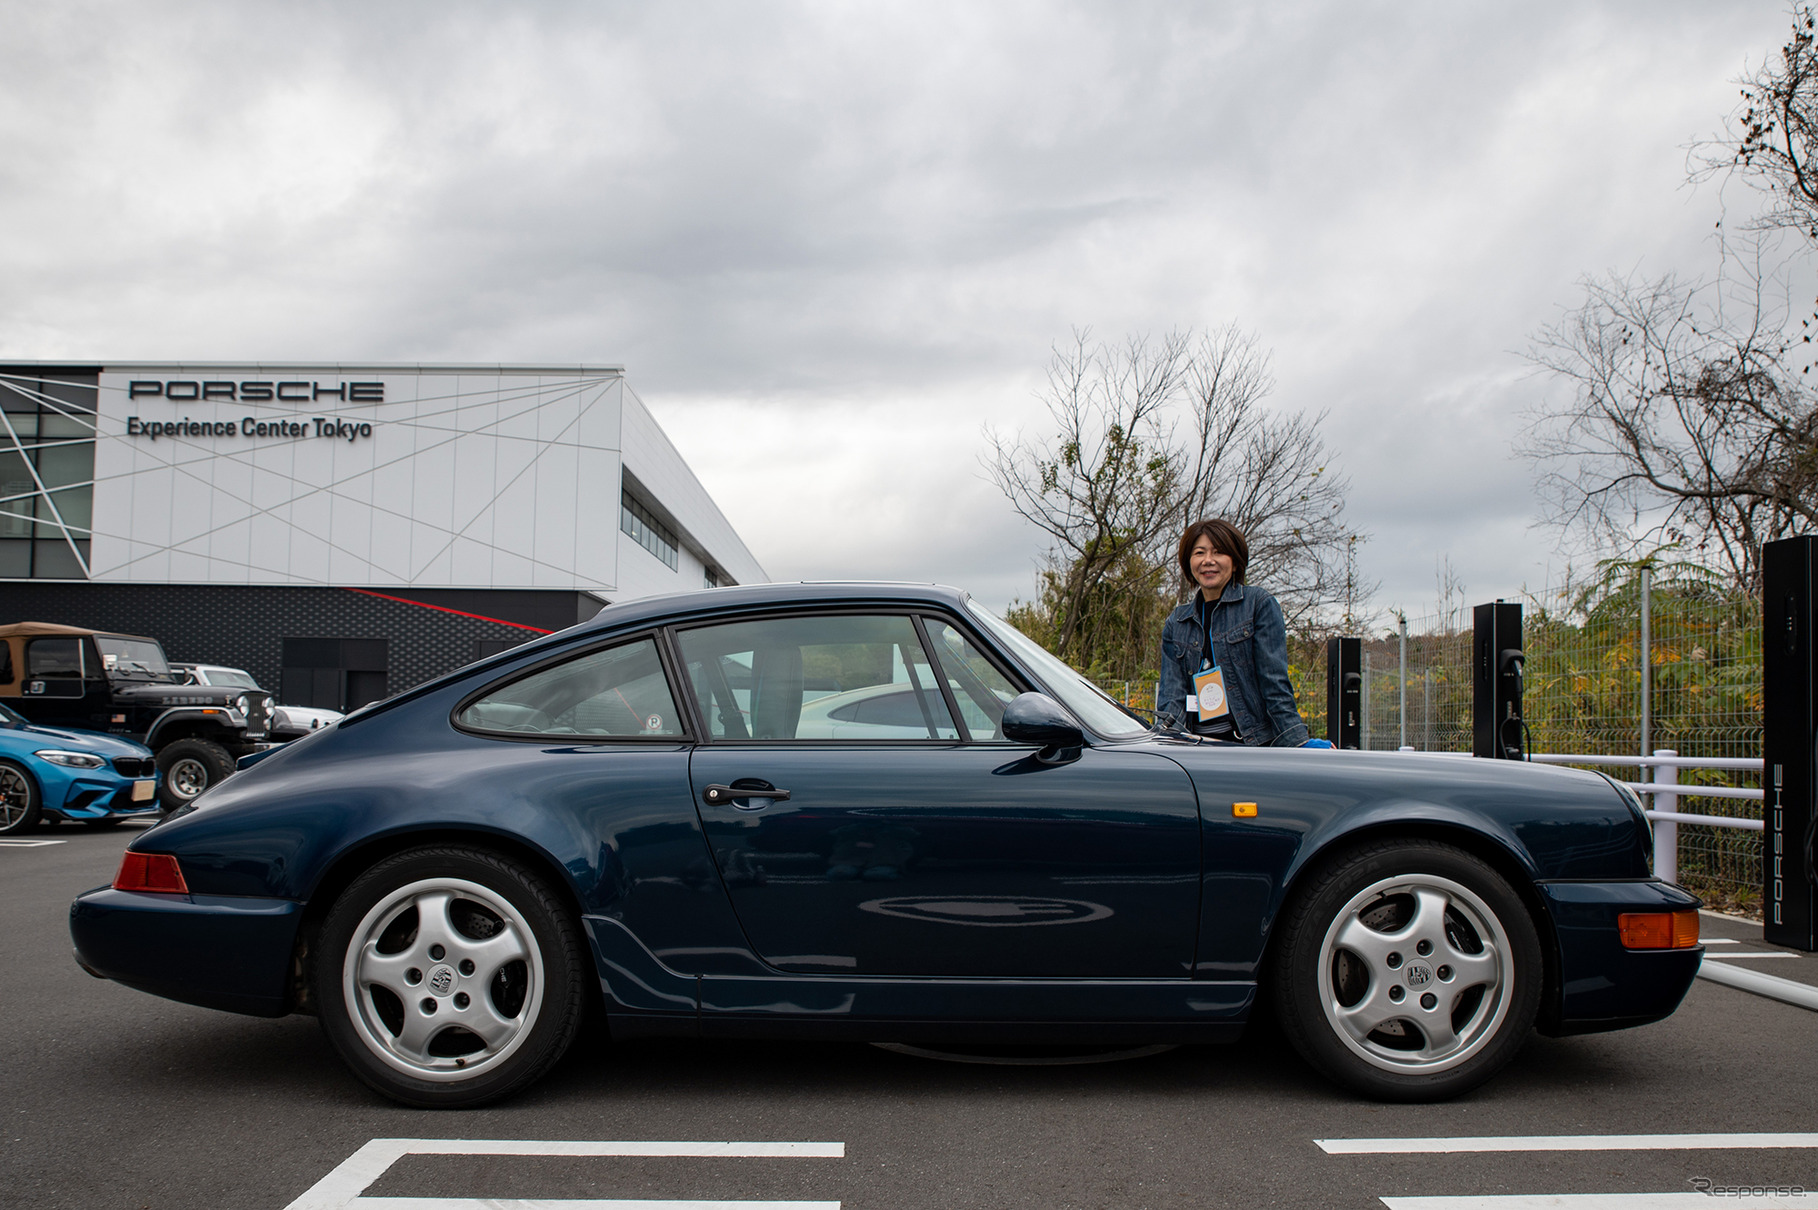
x=1718 y=941
x=515 y=1203
x=1727 y=955
x=342 y=1188
x=1566 y=1142
x=27 y=844
x=1595 y=1201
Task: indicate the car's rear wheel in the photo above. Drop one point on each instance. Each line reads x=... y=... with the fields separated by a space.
x=190 y=766
x=19 y=806
x=449 y=977
x=1408 y=970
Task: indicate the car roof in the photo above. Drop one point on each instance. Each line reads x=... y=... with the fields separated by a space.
x=42 y=628
x=741 y=597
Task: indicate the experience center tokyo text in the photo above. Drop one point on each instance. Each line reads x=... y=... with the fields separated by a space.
x=249 y=426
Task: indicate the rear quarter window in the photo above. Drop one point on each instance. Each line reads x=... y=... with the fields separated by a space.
x=615 y=693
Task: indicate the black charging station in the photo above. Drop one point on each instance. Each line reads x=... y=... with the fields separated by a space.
x=1344 y=692
x=1496 y=668
x=1789 y=685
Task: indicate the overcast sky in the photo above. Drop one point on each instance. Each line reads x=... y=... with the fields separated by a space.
x=830 y=242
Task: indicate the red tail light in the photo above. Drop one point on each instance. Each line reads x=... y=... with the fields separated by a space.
x=1658 y=930
x=150 y=872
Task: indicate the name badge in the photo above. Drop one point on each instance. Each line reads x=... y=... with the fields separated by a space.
x=1208 y=695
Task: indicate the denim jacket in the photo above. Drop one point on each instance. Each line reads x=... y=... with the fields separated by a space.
x=1250 y=641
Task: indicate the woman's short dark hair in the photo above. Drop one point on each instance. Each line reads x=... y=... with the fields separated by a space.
x=1226 y=539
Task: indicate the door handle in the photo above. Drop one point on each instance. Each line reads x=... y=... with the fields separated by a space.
x=717 y=794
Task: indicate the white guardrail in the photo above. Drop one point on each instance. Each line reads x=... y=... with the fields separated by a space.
x=1665 y=791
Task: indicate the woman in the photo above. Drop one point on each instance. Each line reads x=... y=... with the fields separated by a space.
x=1224 y=657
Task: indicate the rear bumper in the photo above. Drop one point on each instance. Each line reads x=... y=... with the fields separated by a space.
x=1600 y=985
x=218 y=951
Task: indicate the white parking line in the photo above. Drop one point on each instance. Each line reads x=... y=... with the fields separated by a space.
x=1596 y=1201
x=1727 y=955
x=342 y=1188
x=544 y=1203
x=1566 y=1142
x=27 y=844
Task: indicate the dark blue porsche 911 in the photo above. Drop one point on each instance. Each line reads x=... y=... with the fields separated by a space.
x=876 y=812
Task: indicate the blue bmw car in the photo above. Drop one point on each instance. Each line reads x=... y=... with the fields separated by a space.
x=876 y=812
x=47 y=773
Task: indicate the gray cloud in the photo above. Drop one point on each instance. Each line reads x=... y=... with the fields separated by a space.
x=842 y=237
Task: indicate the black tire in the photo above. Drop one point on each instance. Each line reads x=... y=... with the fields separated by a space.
x=20 y=808
x=189 y=767
x=1407 y=970
x=387 y=1024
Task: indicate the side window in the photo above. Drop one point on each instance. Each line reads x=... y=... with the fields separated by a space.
x=619 y=692
x=860 y=678
x=53 y=657
x=980 y=689
x=6 y=662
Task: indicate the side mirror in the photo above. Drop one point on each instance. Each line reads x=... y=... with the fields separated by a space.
x=1036 y=718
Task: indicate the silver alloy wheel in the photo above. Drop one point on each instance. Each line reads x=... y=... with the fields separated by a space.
x=186 y=777
x=441 y=985
x=1415 y=974
x=15 y=796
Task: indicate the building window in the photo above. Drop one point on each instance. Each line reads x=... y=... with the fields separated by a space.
x=47 y=474
x=713 y=577
x=646 y=530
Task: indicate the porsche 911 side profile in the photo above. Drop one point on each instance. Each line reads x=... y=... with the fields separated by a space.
x=876 y=812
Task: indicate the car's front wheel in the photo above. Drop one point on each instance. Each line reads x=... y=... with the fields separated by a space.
x=19 y=806
x=190 y=766
x=1408 y=970
x=449 y=977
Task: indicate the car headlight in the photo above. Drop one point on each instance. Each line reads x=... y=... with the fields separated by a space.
x=70 y=760
x=241 y=704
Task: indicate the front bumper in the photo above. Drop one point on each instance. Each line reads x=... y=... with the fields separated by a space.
x=219 y=951
x=89 y=797
x=1600 y=984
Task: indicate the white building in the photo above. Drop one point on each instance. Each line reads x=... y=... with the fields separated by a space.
x=326 y=500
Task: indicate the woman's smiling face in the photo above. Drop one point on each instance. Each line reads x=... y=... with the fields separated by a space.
x=1211 y=568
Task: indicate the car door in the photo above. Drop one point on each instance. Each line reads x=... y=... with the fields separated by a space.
x=861 y=828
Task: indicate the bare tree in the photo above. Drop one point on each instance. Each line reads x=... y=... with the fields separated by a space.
x=1771 y=139
x=1122 y=475
x=1265 y=473
x=1103 y=486
x=1685 y=427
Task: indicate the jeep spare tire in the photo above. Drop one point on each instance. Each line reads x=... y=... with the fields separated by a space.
x=190 y=766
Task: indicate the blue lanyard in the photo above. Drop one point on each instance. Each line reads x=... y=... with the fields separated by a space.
x=1205 y=628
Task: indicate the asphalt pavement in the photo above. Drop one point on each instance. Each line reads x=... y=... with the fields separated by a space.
x=116 y=1099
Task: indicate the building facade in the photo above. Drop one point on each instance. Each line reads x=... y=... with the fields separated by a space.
x=342 y=531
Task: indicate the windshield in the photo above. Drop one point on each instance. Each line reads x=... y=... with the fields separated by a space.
x=140 y=658
x=233 y=678
x=1086 y=700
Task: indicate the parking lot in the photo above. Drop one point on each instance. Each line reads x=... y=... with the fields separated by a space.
x=118 y=1099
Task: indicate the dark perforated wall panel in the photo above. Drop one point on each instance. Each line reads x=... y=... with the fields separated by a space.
x=246 y=627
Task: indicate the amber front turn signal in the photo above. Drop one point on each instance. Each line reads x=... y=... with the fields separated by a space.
x=1658 y=930
x=150 y=872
